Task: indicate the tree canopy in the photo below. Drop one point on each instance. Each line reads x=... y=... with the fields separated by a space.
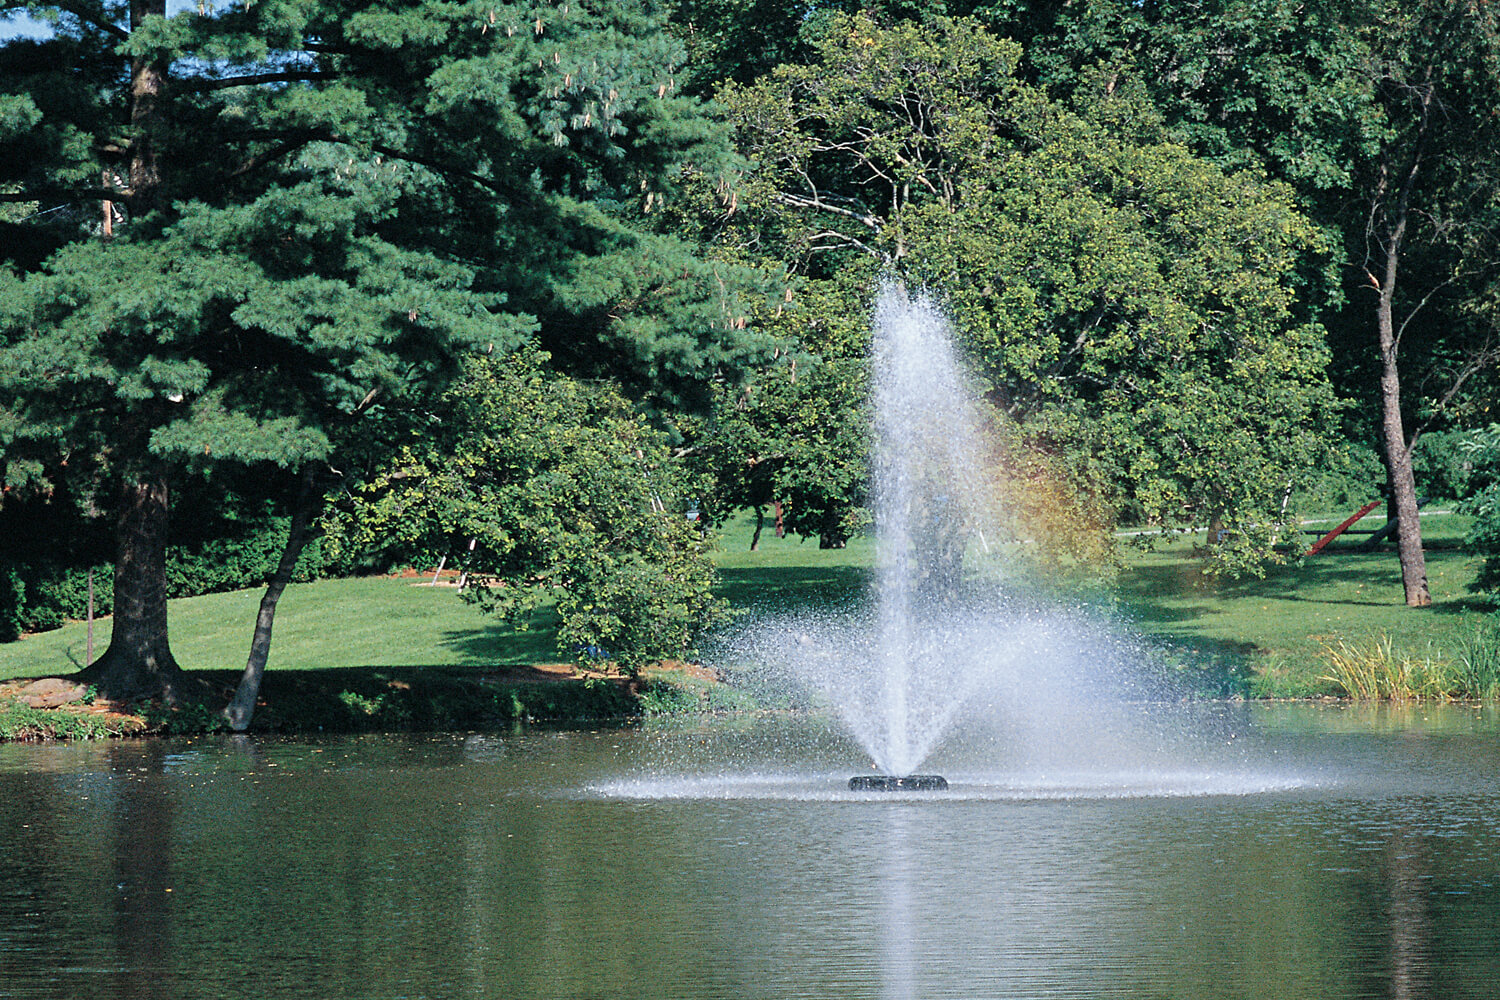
x=1132 y=307
x=550 y=491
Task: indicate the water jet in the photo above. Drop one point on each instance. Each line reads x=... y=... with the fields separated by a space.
x=948 y=651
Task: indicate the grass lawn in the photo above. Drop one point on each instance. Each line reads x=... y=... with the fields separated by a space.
x=1277 y=624
x=1282 y=621
x=369 y=621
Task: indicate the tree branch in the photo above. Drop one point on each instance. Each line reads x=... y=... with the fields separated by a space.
x=275 y=153
x=95 y=18
x=867 y=220
x=256 y=79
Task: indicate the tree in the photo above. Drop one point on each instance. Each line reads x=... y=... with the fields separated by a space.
x=1380 y=113
x=252 y=231
x=550 y=490
x=1431 y=200
x=1133 y=308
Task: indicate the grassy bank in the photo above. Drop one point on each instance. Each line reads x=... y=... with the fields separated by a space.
x=397 y=652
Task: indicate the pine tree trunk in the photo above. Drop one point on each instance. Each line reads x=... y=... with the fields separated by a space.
x=139 y=661
x=148 y=82
x=241 y=709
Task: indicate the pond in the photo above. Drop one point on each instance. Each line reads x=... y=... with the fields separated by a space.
x=1221 y=851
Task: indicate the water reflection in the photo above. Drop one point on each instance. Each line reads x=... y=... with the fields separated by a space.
x=142 y=815
x=900 y=942
x=483 y=866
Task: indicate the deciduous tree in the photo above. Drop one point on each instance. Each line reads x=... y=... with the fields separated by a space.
x=549 y=490
x=1133 y=307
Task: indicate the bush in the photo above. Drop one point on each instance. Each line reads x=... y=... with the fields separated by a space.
x=1482 y=450
x=233 y=563
x=1443 y=465
x=12 y=603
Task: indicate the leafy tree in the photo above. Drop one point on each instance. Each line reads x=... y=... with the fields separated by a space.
x=550 y=489
x=254 y=230
x=1381 y=114
x=1482 y=449
x=1134 y=309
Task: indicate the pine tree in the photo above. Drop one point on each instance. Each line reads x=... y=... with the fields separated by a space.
x=236 y=235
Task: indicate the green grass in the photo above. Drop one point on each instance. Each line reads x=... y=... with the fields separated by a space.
x=1268 y=637
x=789 y=572
x=1283 y=623
x=370 y=621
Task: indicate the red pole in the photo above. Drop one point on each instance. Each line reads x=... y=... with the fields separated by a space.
x=1336 y=532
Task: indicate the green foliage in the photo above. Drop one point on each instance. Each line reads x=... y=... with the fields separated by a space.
x=1379 y=113
x=1442 y=465
x=1482 y=451
x=1133 y=309
x=671 y=693
x=1477 y=663
x=1376 y=671
x=182 y=719
x=798 y=435
x=20 y=723
x=542 y=489
x=336 y=204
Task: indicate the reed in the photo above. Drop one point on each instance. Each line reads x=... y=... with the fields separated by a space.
x=1478 y=663
x=1374 y=670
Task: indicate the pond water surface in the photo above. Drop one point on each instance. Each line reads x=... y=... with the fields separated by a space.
x=1230 y=851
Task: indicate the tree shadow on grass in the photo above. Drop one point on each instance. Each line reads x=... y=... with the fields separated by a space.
x=497 y=642
x=789 y=588
x=1475 y=605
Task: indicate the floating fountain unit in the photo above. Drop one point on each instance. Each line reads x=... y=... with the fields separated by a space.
x=893 y=783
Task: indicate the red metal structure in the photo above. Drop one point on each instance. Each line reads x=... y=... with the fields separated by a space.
x=1336 y=532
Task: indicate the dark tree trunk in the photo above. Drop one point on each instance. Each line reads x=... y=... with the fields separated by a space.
x=1397 y=449
x=139 y=661
x=241 y=709
x=148 y=81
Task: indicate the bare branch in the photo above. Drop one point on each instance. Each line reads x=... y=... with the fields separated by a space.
x=865 y=219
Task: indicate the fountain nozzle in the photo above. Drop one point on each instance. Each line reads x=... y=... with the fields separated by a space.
x=895 y=783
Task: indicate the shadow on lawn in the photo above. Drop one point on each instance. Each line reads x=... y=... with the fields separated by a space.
x=793 y=588
x=1170 y=594
x=496 y=642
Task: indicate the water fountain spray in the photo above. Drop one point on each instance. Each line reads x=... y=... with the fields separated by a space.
x=930 y=504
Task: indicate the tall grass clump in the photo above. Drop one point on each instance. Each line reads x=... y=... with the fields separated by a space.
x=1375 y=671
x=1478 y=663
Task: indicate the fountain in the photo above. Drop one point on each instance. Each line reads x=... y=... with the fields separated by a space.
x=930 y=502
x=944 y=635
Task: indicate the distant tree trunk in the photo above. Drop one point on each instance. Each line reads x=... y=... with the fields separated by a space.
x=1390 y=213
x=1397 y=449
x=241 y=709
x=760 y=522
x=139 y=661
